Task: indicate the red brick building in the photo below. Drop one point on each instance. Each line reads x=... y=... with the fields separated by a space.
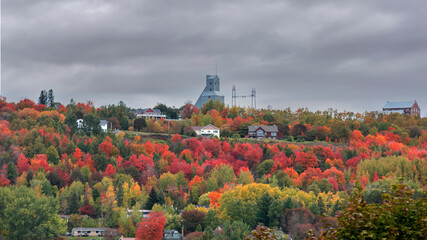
x=264 y=132
x=407 y=107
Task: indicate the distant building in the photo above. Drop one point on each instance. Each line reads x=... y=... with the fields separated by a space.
x=407 y=107
x=211 y=91
x=89 y=232
x=172 y=234
x=149 y=113
x=80 y=123
x=207 y=131
x=144 y=213
x=104 y=125
x=264 y=132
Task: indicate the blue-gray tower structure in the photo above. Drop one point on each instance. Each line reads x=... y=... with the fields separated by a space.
x=211 y=91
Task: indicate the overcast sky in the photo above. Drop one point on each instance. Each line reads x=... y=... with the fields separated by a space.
x=348 y=55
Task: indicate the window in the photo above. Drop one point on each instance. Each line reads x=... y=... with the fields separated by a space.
x=260 y=133
x=273 y=134
x=215 y=131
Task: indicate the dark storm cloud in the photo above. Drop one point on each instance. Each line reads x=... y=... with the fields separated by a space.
x=350 y=55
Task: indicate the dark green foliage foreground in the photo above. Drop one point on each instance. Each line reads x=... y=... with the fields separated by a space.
x=398 y=217
x=25 y=214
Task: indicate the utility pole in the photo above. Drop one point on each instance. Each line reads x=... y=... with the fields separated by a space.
x=102 y=214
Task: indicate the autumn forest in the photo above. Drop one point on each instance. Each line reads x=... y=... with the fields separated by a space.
x=333 y=174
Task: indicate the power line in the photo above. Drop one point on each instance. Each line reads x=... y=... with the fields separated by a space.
x=234 y=97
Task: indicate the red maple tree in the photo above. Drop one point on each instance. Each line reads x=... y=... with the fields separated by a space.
x=151 y=227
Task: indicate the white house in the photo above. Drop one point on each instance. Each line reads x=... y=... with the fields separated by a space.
x=80 y=123
x=104 y=125
x=207 y=131
x=149 y=113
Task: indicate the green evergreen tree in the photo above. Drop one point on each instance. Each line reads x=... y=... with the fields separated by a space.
x=321 y=205
x=152 y=199
x=289 y=204
x=71 y=121
x=52 y=155
x=336 y=207
x=51 y=99
x=275 y=213
x=91 y=124
x=12 y=172
x=212 y=220
x=124 y=123
x=43 y=97
x=263 y=208
x=314 y=208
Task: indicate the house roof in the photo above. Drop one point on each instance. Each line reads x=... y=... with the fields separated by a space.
x=103 y=122
x=142 y=111
x=265 y=128
x=404 y=104
x=88 y=229
x=211 y=76
x=207 y=127
x=210 y=127
x=197 y=128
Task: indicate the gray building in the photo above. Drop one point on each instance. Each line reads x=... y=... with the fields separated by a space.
x=211 y=91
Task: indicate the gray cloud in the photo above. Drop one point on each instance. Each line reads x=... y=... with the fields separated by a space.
x=350 y=55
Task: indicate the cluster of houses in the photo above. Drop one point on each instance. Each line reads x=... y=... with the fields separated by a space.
x=101 y=232
x=257 y=132
x=406 y=107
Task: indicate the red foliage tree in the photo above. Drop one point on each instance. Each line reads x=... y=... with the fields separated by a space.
x=23 y=164
x=40 y=161
x=88 y=210
x=26 y=103
x=110 y=170
x=176 y=138
x=281 y=161
x=108 y=148
x=307 y=160
x=308 y=176
x=188 y=110
x=253 y=155
x=151 y=228
x=4 y=181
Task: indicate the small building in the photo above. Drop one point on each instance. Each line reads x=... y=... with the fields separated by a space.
x=210 y=92
x=171 y=234
x=149 y=113
x=89 y=232
x=144 y=213
x=407 y=107
x=104 y=125
x=207 y=131
x=80 y=123
x=264 y=132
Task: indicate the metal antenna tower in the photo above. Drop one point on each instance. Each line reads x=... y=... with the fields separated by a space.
x=234 y=97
